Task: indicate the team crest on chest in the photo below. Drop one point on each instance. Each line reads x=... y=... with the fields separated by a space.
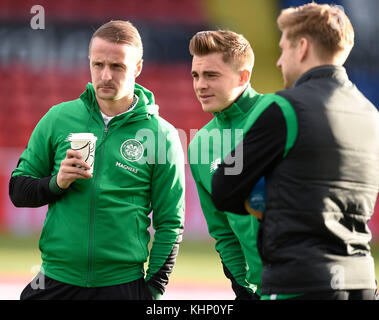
x=132 y=150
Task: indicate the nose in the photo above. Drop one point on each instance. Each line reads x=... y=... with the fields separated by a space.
x=106 y=74
x=200 y=83
x=279 y=63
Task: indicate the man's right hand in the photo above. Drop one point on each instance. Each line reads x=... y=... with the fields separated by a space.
x=255 y=204
x=72 y=168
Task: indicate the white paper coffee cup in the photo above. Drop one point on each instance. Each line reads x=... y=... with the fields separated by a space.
x=85 y=143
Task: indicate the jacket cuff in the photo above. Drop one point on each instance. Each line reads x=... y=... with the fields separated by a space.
x=53 y=186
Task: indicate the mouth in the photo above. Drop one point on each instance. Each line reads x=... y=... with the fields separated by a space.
x=106 y=87
x=205 y=97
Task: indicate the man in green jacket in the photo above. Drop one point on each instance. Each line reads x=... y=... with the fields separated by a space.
x=95 y=237
x=221 y=70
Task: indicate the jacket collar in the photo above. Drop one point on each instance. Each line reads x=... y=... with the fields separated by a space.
x=241 y=106
x=326 y=71
x=145 y=101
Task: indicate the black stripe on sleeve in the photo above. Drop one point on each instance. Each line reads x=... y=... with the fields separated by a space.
x=160 y=279
x=32 y=192
x=262 y=147
x=241 y=292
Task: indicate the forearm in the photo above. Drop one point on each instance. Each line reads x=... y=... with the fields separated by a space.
x=227 y=244
x=263 y=146
x=241 y=292
x=162 y=260
x=232 y=258
x=167 y=200
x=33 y=192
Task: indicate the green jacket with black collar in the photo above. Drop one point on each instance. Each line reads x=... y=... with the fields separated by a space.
x=236 y=236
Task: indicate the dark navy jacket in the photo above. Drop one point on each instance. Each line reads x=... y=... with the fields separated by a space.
x=320 y=193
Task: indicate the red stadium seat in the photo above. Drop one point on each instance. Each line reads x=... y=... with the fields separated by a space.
x=182 y=11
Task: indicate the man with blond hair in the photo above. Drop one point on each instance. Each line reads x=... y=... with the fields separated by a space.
x=322 y=181
x=95 y=238
x=221 y=69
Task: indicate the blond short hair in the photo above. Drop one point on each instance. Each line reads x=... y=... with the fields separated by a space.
x=121 y=32
x=234 y=47
x=328 y=26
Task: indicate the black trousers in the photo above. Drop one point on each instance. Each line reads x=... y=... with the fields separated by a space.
x=364 y=294
x=50 y=289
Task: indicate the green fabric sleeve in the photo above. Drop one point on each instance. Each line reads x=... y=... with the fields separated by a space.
x=289 y=115
x=227 y=243
x=167 y=200
x=37 y=159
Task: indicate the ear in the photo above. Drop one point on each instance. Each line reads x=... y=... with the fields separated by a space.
x=138 y=68
x=303 y=48
x=245 y=77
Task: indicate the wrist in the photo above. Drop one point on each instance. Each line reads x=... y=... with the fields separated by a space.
x=54 y=187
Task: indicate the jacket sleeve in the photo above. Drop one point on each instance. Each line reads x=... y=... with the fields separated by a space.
x=34 y=192
x=266 y=143
x=32 y=183
x=167 y=200
x=227 y=244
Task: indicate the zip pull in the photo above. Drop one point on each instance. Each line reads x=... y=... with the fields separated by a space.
x=105 y=134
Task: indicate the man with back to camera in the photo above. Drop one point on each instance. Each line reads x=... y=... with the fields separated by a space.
x=319 y=154
x=221 y=70
x=94 y=241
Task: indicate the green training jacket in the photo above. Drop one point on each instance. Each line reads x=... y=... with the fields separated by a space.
x=236 y=236
x=97 y=233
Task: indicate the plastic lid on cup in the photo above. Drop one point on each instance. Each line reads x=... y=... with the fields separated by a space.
x=81 y=136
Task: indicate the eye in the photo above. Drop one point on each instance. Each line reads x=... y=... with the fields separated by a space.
x=212 y=75
x=97 y=64
x=117 y=66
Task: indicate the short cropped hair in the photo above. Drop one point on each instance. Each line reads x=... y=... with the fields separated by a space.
x=327 y=25
x=121 y=32
x=234 y=47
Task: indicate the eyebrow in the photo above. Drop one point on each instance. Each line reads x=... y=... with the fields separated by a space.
x=205 y=73
x=118 y=64
x=110 y=62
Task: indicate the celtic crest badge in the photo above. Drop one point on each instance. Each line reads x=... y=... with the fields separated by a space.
x=132 y=150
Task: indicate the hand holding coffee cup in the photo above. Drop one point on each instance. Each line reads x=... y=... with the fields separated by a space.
x=72 y=168
x=85 y=143
x=79 y=160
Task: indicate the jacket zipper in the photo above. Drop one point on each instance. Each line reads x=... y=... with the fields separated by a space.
x=92 y=212
x=230 y=143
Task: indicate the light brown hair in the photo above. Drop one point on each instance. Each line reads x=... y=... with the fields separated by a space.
x=326 y=25
x=121 y=32
x=234 y=47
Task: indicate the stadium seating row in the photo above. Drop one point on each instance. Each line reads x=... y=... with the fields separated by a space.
x=183 y=11
x=26 y=96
